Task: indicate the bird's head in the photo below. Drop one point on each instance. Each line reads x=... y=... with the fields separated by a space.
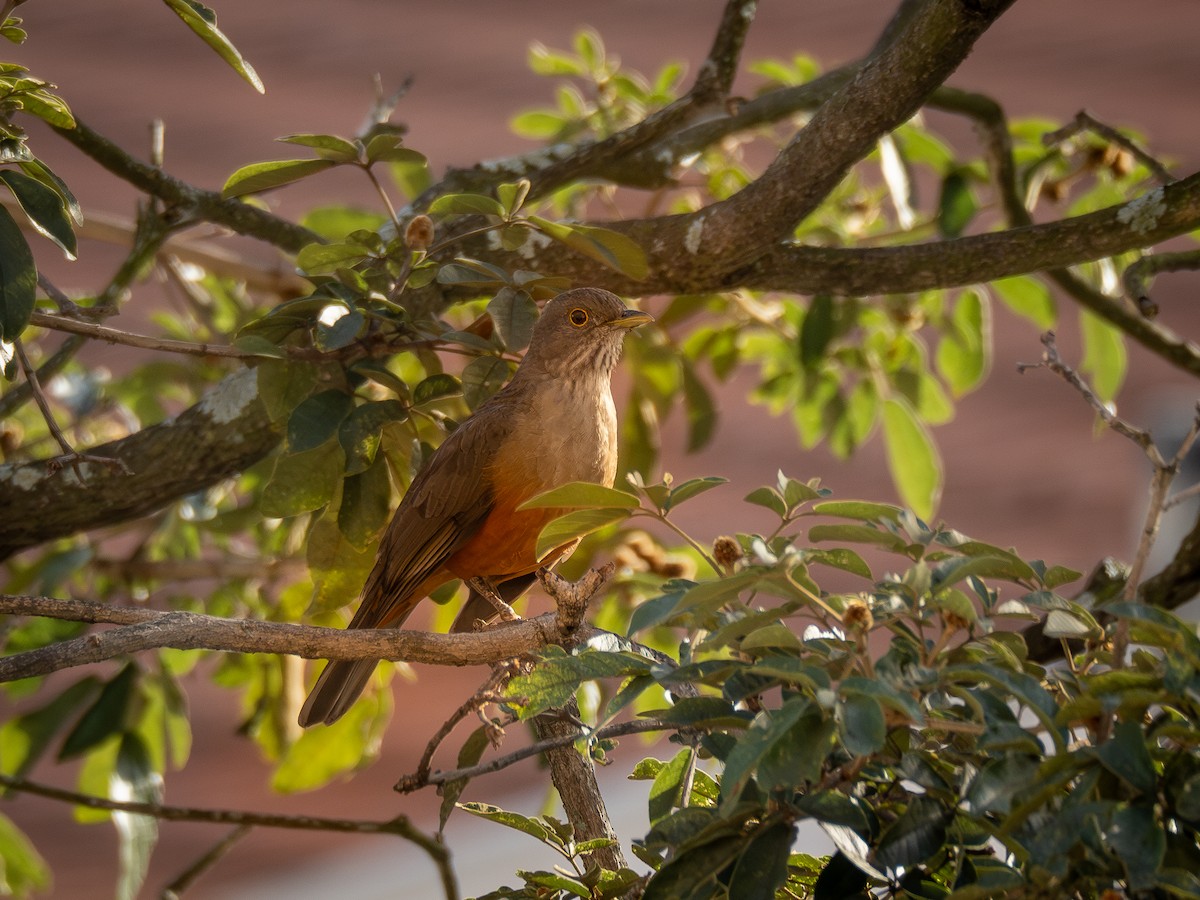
x=581 y=331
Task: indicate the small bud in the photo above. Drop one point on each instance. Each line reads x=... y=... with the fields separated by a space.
x=1121 y=164
x=727 y=552
x=419 y=233
x=954 y=621
x=857 y=617
x=1054 y=191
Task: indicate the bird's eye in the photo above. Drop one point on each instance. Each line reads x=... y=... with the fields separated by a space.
x=578 y=317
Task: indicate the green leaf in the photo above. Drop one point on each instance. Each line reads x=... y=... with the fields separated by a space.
x=25 y=738
x=1125 y=755
x=49 y=108
x=763 y=865
x=107 y=717
x=840 y=558
x=18 y=279
x=816 y=331
x=134 y=779
x=690 y=873
x=365 y=506
x=700 y=408
x=22 y=869
x=693 y=487
x=613 y=249
x=580 y=495
x=956 y=205
x=858 y=509
x=39 y=171
x=436 y=387
x=203 y=21
x=482 y=377
x=263 y=176
x=1028 y=298
x=861 y=725
x=770 y=498
x=1136 y=837
x=512 y=195
x=328 y=146
x=964 y=352
x=321 y=754
x=666 y=793
x=514 y=314
x=524 y=824
x=918 y=834
x=558 y=883
x=468 y=755
x=317 y=259
x=317 y=419
x=359 y=432
x=574 y=525
x=1104 y=357
x=302 y=482
x=44 y=207
x=386 y=148
x=912 y=458
x=994 y=787
x=769 y=729
x=466 y=205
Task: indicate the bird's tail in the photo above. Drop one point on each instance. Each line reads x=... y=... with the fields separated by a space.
x=336 y=690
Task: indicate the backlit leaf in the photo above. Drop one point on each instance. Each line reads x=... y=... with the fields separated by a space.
x=913 y=459
x=573 y=525
x=263 y=176
x=203 y=21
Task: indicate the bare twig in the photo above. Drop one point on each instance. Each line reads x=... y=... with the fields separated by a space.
x=1164 y=473
x=1084 y=121
x=641 y=726
x=399 y=826
x=70 y=456
x=487 y=693
x=1139 y=273
x=215 y=853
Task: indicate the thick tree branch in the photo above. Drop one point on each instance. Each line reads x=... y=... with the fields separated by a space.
x=886 y=92
x=220 y=436
x=185 y=199
x=145 y=629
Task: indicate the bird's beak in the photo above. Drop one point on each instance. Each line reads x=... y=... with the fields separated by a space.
x=631 y=318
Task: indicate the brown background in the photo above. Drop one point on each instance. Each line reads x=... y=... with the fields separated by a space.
x=1024 y=466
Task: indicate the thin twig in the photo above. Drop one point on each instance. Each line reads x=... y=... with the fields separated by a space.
x=641 y=726
x=70 y=456
x=189 y=875
x=399 y=826
x=487 y=693
x=1084 y=121
x=1160 y=483
x=1139 y=273
x=1182 y=496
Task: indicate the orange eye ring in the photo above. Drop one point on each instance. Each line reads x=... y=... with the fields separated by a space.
x=578 y=317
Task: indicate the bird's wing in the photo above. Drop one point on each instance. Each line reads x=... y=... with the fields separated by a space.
x=443 y=507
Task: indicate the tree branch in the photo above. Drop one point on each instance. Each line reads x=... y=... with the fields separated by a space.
x=184 y=198
x=399 y=826
x=146 y=629
x=227 y=431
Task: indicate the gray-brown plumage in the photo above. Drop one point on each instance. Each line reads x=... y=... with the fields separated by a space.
x=553 y=423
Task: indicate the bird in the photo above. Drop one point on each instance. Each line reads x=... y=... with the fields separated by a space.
x=552 y=424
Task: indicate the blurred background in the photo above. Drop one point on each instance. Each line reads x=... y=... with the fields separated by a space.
x=1025 y=465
